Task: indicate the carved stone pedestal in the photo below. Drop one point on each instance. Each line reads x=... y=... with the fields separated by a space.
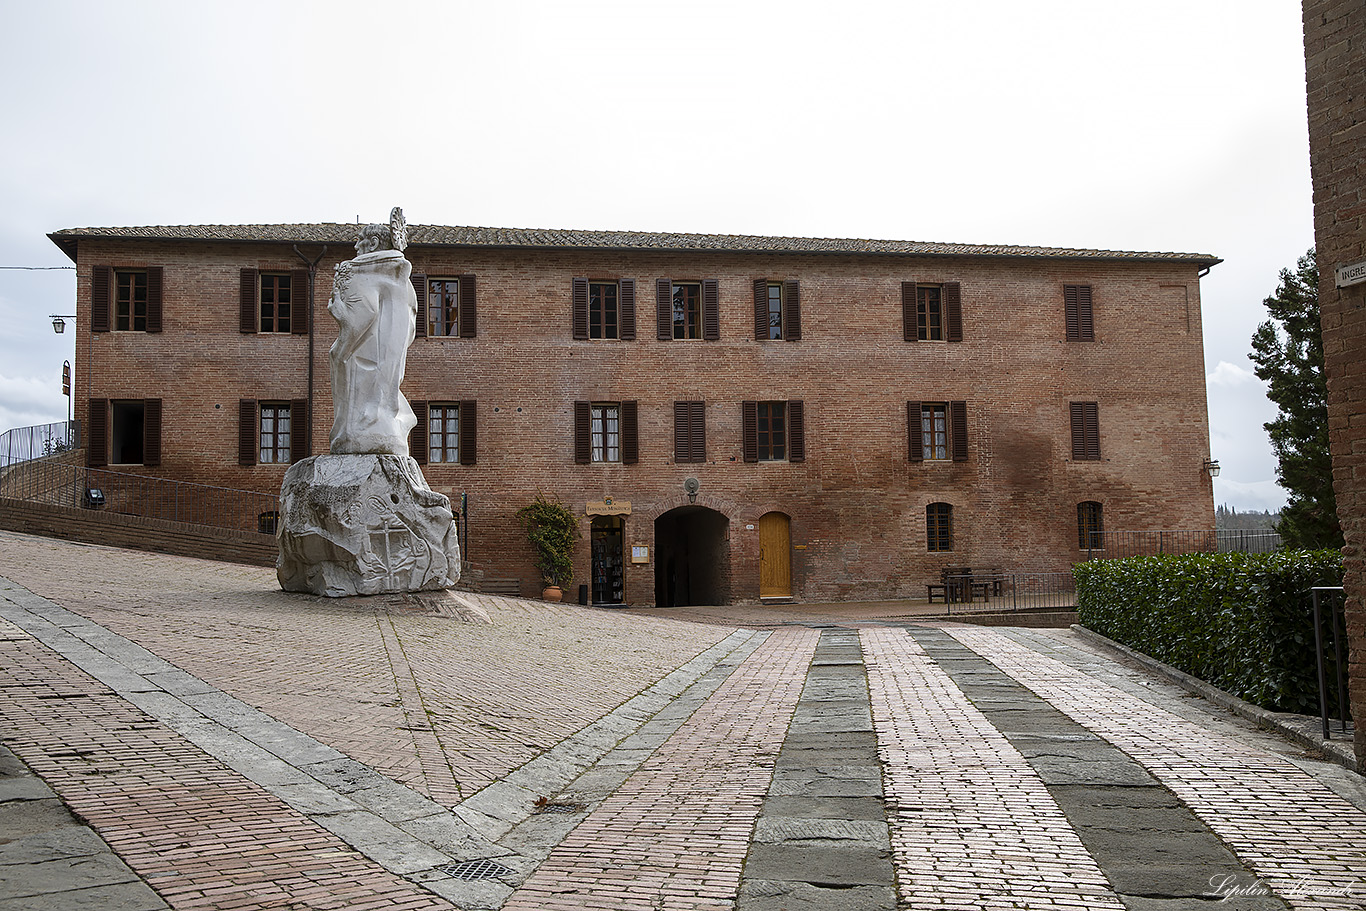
x=364 y=525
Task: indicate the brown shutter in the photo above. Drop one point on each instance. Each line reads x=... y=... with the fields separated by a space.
x=101 y=277
x=796 y=432
x=1085 y=431
x=469 y=432
x=749 y=430
x=630 y=434
x=697 y=431
x=761 y=309
x=682 y=432
x=583 y=444
x=300 y=429
x=154 y=278
x=97 y=434
x=298 y=308
x=958 y=427
x=953 y=311
x=419 y=280
x=1086 y=330
x=792 y=311
x=469 y=308
x=711 y=310
x=249 y=301
x=910 y=327
x=151 y=432
x=1069 y=304
x=417 y=437
x=626 y=319
x=664 y=309
x=914 y=433
x=247 y=427
x=578 y=314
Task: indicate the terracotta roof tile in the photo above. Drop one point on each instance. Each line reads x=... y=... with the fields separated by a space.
x=443 y=236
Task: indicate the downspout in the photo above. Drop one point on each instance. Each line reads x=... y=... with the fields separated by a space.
x=312 y=323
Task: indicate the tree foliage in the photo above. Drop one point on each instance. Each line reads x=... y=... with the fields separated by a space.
x=551 y=529
x=1288 y=352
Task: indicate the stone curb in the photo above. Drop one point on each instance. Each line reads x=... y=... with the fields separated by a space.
x=1300 y=729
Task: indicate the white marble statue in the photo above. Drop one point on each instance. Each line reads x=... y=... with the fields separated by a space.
x=375 y=306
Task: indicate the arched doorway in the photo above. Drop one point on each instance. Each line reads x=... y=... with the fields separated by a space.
x=692 y=557
x=775 y=555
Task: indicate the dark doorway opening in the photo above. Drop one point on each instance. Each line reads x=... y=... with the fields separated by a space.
x=609 y=576
x=127 y=428
x=692 y=557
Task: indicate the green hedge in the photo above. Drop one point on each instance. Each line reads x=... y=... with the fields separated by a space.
x=1242 y=622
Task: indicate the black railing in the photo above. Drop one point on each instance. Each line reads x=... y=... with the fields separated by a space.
x=1329 y=600
x=43 y=481
x=1009 y=591
x=24 y=443
x=1114 y=544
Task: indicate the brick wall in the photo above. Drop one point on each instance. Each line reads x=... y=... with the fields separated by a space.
x=1335 y=66
x=857 y=504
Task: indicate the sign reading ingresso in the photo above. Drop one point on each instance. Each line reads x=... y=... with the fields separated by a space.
x=1354 y=274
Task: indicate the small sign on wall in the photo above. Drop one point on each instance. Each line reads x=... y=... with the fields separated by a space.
x=1347 y=276
x=640 y=553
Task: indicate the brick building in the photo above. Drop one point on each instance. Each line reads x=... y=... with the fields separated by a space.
x=1335 y=72
x=734 y=418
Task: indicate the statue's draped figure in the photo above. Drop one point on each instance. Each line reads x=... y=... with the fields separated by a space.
x=375 y=307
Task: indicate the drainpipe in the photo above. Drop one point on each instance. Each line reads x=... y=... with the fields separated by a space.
x=312 y=323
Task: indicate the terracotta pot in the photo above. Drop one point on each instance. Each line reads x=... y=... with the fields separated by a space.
x=552 y=593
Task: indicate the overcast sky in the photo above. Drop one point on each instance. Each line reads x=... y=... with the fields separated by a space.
x=1166 y=125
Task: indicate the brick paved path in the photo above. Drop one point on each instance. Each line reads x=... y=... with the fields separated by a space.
x=240 y=748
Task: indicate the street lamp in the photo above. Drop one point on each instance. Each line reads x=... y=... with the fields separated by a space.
x=59 y=321
x=1212 y=466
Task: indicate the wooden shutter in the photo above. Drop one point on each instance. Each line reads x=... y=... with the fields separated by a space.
x=97 y=434
x=953 y=311
x=247 y=428
x=1077 y=302
x=1085 y=431
x=300 y=429
x=664 y=309
x=796 y=432
x=469 y=431
x=298 y=308
x=761 y=309
x=749 y=430
x=154 y=278
x=697 y=431
x=578 y=314
x=626 y=318
x=101 y=277
x=417 y=437
x=711 y=310
x=469 y=308
x=583 y=444
x=792 y=311
x=910 y=327
x=249 y=301
x=958 y=430
x=630 y=434
x=151 y=432
x=914 y=433
x=419 y=280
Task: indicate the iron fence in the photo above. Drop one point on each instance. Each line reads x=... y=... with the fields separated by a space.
x=51 y=482
x=24 y=443
x=1114 y=544
x=1010 y=591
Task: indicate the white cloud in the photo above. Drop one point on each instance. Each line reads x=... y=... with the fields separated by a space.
x=1259 y=496
x=1226 y=374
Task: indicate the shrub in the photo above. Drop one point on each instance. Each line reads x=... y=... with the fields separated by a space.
x=1241 y=622
x=551 y=530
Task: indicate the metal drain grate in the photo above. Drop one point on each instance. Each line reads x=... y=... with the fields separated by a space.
x=470 y=870
x=559 y=808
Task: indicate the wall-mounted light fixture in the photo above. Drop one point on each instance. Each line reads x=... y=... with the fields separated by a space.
x=59 y=321
x=1212 y=466
x=690 y=487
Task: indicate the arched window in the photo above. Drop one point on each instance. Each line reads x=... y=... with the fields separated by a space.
x=1090 y=526
x=939 y=526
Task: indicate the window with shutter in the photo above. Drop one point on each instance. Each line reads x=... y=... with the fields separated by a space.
x=937 y=431
x=1085 y=431
x=686 y=310
x=130 y=300
x=611 y=432
x=777 y=310
x=443 y=432
x=128 y=431
x=690 y=434
x=443 y=307
x=1077 y=305
x=277 y=301
x=275 y=433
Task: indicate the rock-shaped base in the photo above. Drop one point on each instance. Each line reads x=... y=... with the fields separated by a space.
x=364 y=525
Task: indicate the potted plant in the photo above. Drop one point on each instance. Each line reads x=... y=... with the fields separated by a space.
x=551 y=529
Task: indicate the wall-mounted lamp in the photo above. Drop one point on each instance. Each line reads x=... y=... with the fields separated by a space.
x=1212 y=466
x=59 y=321
x=690 y=487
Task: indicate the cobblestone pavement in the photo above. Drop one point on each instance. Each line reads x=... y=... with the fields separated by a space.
x=179 y=734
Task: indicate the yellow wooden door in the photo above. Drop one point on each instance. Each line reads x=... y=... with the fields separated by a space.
x=775 y=556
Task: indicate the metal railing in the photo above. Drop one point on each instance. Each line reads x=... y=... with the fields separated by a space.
x=24 y=443
x=1114 y=544
x=1010 y=591
x=1331 y=598
x=140 y=495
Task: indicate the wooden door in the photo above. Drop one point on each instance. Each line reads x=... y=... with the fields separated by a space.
x=775 y=556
